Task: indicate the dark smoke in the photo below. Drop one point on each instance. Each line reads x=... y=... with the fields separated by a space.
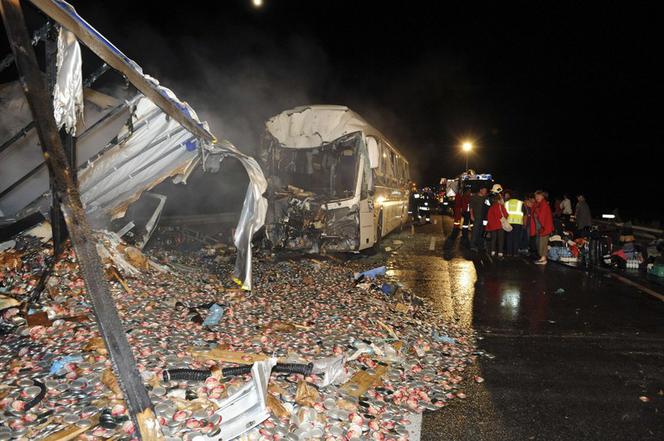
x=237 y=94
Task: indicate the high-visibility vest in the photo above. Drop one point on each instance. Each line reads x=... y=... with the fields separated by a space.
x=514 y=211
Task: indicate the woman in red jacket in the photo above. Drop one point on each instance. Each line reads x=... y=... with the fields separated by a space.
x=494 y=226
x=531 y=226
x=544 y=221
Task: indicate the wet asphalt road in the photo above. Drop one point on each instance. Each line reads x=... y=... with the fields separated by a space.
x=572 y=352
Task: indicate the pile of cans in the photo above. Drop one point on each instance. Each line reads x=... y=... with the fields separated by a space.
x=301 y=310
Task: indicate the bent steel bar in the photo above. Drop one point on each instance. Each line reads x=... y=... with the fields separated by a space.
x=38 y=36
x=101 y=70
x=651 y=230
x=21 y=133
x=25 y=130
x=21 y=180
x=106 y=314
x=63 y=13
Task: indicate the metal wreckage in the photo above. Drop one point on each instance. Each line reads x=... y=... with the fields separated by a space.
x=99 y=154
x=335 y=184
x=307 y=219
x=123 y=146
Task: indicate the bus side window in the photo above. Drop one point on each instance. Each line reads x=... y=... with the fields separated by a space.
x=400 y=167
x=384 y=161
x=397 y=169
x=387 y=172
x=373 y=151
x=381 y=159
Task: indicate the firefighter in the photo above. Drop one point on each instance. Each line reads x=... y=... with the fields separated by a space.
x=478 y=210
x=515 y=216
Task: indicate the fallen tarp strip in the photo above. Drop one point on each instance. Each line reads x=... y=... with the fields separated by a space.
x=254 y=209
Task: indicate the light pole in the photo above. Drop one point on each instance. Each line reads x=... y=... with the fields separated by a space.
x=467 y=147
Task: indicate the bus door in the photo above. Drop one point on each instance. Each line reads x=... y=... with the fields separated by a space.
x=367 y=228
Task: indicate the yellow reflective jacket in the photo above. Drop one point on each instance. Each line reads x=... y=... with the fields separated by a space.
x=514 y=211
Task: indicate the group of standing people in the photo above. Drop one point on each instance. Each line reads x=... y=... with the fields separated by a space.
x=516 y=226
x=563 y=210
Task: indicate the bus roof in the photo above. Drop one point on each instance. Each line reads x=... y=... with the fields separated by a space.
x=318 y=124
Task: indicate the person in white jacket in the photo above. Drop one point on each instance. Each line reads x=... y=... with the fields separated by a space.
x=566 y=208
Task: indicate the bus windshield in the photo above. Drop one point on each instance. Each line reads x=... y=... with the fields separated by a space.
x=329 y=170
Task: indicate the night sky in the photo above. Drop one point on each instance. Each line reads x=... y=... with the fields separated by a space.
x=555 y=97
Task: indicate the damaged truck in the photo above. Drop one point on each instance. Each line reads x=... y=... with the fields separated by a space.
x=335 y=183
x=120 y=144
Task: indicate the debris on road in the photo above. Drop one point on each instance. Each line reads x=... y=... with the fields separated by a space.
x=368 y=362
x=442 y=338
x=370 y=274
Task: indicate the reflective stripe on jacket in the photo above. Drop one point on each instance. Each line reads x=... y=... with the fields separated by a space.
x=515 y=211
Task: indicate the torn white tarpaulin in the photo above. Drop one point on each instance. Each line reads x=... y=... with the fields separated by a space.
x=254 y=209
x=151 y=148
x=68 y=88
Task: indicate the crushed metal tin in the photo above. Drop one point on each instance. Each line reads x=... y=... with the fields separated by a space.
x=300 y=311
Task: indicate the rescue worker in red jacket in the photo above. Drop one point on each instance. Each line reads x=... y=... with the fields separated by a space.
x=462 y=213
x=544 y=222
x=497 y=211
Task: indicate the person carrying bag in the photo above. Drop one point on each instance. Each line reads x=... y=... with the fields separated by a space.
x=497 y=218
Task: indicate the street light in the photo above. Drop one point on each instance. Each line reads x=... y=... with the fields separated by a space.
x=467 y=147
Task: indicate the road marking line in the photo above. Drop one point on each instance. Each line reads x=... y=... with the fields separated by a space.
x=432 y=244
x=638 y=286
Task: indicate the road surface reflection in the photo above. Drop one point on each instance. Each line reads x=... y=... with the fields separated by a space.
x=449 y=284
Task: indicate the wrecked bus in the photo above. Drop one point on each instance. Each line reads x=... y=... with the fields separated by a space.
x=335 y=182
